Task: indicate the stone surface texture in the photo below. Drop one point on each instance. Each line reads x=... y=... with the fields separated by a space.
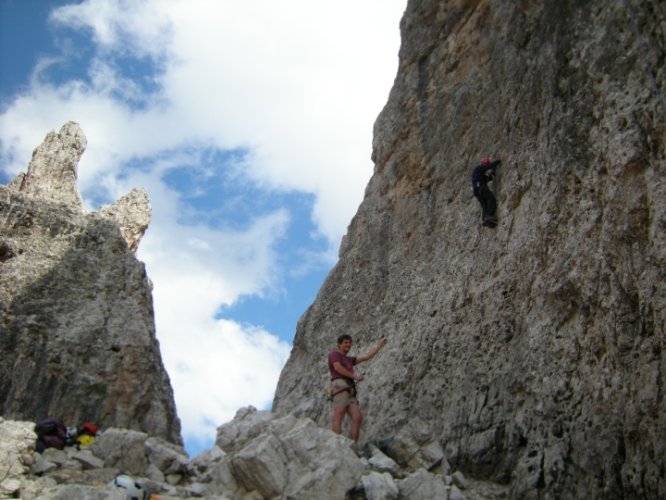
x=53 y=169
x=76 y=315
x=534 y=352
x=271 y=457
x=524 y=361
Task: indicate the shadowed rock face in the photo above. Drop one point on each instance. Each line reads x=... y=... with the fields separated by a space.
x=76 y=315
x=534 y=351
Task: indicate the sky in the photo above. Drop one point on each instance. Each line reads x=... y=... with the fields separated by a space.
x=248 y=122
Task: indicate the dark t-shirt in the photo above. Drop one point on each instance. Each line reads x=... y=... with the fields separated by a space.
x=347 y=362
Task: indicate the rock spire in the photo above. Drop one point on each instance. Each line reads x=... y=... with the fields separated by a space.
x=76 y=313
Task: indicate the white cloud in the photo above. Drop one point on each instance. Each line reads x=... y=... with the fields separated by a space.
x=212 y=363
x=134 y=26
x=298 y=83
x=222 y=368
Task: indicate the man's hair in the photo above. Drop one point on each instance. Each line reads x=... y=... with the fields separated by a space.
x=343 y=337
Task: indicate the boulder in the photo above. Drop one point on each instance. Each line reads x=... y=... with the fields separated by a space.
x=413 y=447
x=17 y=441
x=289 y=458
x=122 y=449
x=423 y=485
x=299 y=459
x=247 y=424
x=379 y=486
x=382 y=463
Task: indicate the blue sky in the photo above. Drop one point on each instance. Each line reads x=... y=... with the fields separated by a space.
x=249 y=123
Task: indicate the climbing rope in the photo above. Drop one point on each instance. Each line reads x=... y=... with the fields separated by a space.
x=646 y=53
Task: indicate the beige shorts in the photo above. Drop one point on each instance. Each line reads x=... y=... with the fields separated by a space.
x=342 y=398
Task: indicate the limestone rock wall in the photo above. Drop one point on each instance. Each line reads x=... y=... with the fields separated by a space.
x=534 y=350
x=76 y=316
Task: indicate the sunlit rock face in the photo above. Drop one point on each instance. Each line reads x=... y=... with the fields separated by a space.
x=77 y=328
x=53 y=168
x=534 y=350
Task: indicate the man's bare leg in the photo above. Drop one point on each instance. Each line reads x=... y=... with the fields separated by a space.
x=338 y=415
x=357 y=419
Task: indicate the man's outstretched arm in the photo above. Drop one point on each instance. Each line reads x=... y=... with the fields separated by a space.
x=371 y=353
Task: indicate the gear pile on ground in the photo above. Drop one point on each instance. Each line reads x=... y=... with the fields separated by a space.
x=257 y=455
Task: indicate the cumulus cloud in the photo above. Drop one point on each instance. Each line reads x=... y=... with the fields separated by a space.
x=215 y=365
x=298 y=82
x=295 y=85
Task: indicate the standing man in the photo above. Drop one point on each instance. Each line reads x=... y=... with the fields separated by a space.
x=343 y=383
x=481 y=175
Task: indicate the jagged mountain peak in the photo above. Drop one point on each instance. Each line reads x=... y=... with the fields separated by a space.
x=76 y=313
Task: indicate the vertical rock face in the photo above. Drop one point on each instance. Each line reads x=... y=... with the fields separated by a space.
x=76 y=316
x=534 y=351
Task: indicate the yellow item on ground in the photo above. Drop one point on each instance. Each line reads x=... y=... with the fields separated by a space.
x=85 y=439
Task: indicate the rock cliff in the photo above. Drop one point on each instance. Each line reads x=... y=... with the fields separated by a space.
x=78 y=335
x=533 y=352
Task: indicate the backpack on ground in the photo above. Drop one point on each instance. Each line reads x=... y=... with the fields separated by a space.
x=51 y=433
x=87 y=433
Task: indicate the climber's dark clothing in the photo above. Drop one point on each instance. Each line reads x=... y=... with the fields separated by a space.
x=488 y=203
x=483 y=173
x=480 y=177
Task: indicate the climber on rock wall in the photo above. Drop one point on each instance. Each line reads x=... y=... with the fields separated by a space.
x=343 y=383
x=481 y=175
